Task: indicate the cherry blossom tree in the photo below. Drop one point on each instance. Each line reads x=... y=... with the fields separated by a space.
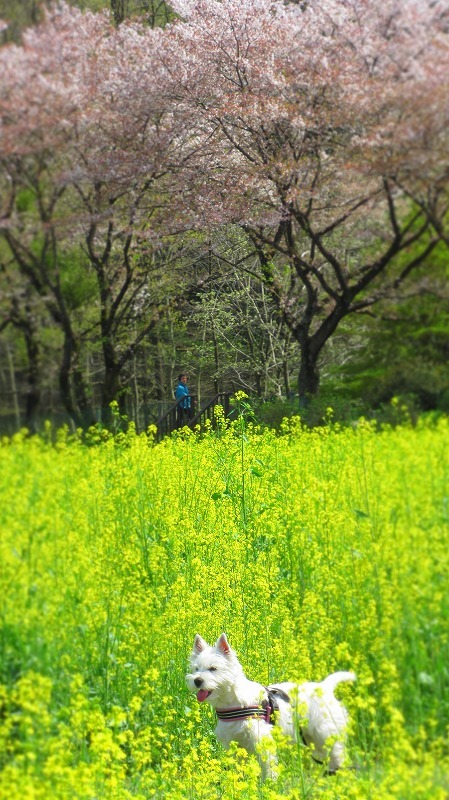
x=323 y=130
x=85 y=150
x=319 y=128
x=19 y=312
x=117 y=172
x=39 y=106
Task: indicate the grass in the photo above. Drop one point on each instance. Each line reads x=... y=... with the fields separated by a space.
x=314 y=550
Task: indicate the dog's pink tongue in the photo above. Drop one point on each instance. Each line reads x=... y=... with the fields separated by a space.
x=202 y=695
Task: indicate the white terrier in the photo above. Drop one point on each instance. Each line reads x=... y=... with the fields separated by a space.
x=246 y=710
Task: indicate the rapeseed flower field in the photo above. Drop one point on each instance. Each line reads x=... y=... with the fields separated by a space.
x=315 y=550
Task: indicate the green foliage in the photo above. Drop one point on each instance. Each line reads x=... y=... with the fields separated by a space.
x=25 y=201
x=78 y=281
x=22 y=14
x=405 y=354
x=313 y=550
x=401 y=350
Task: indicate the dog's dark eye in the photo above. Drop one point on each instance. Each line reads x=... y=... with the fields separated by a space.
x=212 y=669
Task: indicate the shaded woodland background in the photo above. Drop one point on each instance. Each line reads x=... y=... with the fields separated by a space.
x=199 y=305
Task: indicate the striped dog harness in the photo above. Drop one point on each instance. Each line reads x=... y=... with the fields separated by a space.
x=229 y=714
x=265 y=711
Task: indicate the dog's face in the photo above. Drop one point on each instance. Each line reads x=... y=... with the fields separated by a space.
x=215 y=670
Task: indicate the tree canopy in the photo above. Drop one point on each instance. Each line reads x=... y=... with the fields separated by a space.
x=318 y=138
x=317 y=130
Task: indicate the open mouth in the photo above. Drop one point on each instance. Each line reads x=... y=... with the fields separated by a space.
x=202 y=695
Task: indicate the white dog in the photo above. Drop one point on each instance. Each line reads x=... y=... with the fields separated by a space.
x=246 y=710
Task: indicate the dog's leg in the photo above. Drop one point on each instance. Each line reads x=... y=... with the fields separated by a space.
x=336 y=757
x=265 y=749
x=268 y=765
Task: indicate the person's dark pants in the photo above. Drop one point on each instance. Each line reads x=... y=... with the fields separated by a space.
x=184 y=416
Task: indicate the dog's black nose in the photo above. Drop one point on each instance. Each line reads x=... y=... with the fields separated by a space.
x=198 y=681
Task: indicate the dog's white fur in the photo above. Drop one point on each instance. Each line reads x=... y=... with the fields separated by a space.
x=314 y=713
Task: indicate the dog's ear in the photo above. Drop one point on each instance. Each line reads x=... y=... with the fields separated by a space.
x=223 y=645
x=199 y=644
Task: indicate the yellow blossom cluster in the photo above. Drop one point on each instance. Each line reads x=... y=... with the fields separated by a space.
x=314 y=550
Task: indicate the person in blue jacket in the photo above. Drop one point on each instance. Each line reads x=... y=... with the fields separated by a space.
x=182 y=394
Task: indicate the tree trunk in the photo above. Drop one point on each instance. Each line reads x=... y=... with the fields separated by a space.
x=33 y=395
x=14 y=392
x=118 y=11
x=82 y=399
x=309 y=376
x=71 y=382
x=112 y=387
x=65 y=383
x=216 y=358
x=286 y=378
x=158 y=381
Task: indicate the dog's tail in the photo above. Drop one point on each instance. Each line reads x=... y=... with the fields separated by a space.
x=338 y=677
